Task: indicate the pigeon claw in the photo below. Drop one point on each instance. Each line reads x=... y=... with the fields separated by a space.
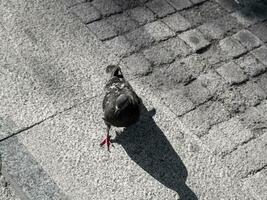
x=106 y=141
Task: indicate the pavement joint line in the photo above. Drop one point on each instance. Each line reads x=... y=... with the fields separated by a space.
x=210 y=99
x=225 y=154
x=26 y=128
x=251 y=173
x=243 y=143
x=21 y=130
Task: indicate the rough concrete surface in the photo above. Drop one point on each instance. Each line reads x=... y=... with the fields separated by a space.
x=199 y=66
x=6 y=192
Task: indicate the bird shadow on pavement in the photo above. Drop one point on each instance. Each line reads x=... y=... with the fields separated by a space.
x=148 y=147
x=254 y=8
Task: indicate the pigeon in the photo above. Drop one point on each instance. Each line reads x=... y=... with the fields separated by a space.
x=121 y=105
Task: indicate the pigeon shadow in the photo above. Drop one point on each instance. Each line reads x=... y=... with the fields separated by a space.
x=148 y=147
x=254 y=8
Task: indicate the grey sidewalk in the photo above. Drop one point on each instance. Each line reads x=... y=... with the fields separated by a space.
x=200 y=64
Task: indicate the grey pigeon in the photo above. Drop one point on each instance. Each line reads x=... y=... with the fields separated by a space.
x=121 y=105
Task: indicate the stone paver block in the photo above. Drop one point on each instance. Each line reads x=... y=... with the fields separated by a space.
x=212 y=81
x=248 y=158
x=194 y=63
x=158 y=30
x=122 y=23
x=184 y=70
x=232 y=73
x=252 y=93
x=203 y=117
x=160 y=7
x=262 y=109
x=177 y=46
x=213 y=55
x=254 y=118
x=86 y=12
x=177 y=102
x=180 y=4
x=194 y=39
x=229 y=23
x=142 y=15
x=106 y=7
x=177 y=73
x=247 y=39
x=226 y=136
x=196 y=92
x=102 y=29
x=217 y=28
x=257 y=184
x=233 y=100
x=231 y=47
x=261 y=54
x=212 y=30
x=119 y=46
x=158 y=54
x=251 y=65
x=229 y=5
x=157 y=80
x=166 y=51
x=260 y=30
x=136 y=64
x=180 y=71
x=263 y=82
x=245 y=20
x=140 y=38
x=207 y=11
x=177 y=22
x=238 y=99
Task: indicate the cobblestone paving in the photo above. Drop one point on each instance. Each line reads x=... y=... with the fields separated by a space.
x=207 y=61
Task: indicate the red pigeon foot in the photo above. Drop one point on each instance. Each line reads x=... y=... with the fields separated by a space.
x=106 y=141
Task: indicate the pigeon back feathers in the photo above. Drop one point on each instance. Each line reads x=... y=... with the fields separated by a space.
x=121 y=104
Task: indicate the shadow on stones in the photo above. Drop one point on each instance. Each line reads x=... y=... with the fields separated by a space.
x=148 y=147
x=254 y=8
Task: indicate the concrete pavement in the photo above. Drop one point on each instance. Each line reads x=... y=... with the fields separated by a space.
x=6 y=192
x=200 y=64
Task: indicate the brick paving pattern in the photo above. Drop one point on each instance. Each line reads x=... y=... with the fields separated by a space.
x=207 y=61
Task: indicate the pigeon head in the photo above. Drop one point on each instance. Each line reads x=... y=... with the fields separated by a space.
x=114 y=70
x=121 y=102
